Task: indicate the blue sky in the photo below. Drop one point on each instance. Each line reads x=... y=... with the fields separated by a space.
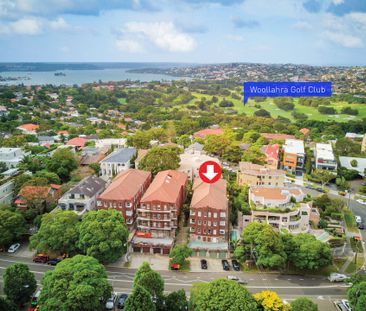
x=319 y=32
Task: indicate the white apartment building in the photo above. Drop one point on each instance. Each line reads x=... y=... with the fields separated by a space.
x=324 y=157
x=116 y=162
x=11 y=156
x=269 y=197
x=6 y=192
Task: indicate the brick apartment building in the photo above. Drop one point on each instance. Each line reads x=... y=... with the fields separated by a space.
x=258 y=175
x=124 y=194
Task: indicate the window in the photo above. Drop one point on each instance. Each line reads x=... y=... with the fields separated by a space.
x=199 y=222
x=199 y=214
x=209 y=214
x=215 y=223
x=82 y=196
x=215 y=215
x=205 y=222
x=223 y=214
x=222 y=231
x=209 y=223
x=222 y=223
x=72 y=196
x=214 y=232
x=204 y=214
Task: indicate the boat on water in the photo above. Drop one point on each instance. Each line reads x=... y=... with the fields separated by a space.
x=58 y=74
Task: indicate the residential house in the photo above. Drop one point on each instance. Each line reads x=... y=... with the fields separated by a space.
x=109 y=142
x=12 y=156
x=157 y=216
x=209 y=219
x=124 y=194
x=41 y=196
x=6 y=191
x=209 y=131
x=82 y=197
x=324 y=157
x=46 y=140
x=277 y=136
x=294 y=156
x=3 y=111
x=116 y=162
x=354 y=136
x=258 y=175
x=272 y=153
x=268 y=197
x=29 y=128
x=78 y=142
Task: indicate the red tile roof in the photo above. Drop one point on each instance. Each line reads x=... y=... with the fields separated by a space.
x=205 y=132
x=305 y=131
x=271 y=136
x=35 y=191
x=272 y=151
x=29 y=127
x=209 y=195
x=55 y=186
x=77 y=141
x=165 y=187
x=126 y=185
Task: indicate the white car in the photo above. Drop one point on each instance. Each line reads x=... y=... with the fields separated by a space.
x=232 y=277
x=363 y=202
x=109 y=305
x=337 y=277
x=13 y=248
x=358 y=219
x=346 y=304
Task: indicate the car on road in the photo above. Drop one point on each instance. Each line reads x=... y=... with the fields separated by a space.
x=35 y=297
x=363 y=202
x=232 y=277
x=361 y=226
x=236 y=265
x=53 y=262
x=358 y=219
x=175 y=266
x=225 y=265
x=13 y=248
x=346 y=304
x=337 y=277
x=41 y=258
x=121 y=301
x=109 y=305
x=204 y=264
x=242 y=281
x=320 y=190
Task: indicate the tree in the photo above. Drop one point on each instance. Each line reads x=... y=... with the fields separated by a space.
x=12 y=227
x=354 y=163
x=95 y=167
x=270 y=301
x=184 y=140
x=180 y=253
x=103 y=235
x=59 y=233
x=309 y=253
x=141 y=140
x=19 y=284
x=159 y=159
x=152 y=282
x=222 y=295
x=52 y=178
x=3 y=167
x=303 y=304
x=141 y=271
x=324 y=176
x=76 y=284
x=139 y=300
x=7 y=305
x=260 y=240
x=62 y=162
x=357 y=296
x=176 y=301
x=262 y=113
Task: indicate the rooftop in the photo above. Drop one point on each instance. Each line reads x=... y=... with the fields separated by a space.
x=29 y=126
x=77 y=141
x=126 y=185
x=271 y=151
x=294 y=146
x=256 y=169
x=122 y=155
x=270 y=193
x=209 y=195
x=210 y=131
x=271 y=136
x=324 y=151
x=89 y=186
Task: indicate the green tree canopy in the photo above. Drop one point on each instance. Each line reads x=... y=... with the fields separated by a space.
x=152 y=282
x=62 y=162
x=19 y=284
x=7 y=305
x=303 y=304
x=141 y=271
x=103 y=235
x=222 y=295
x=159 y=159
x=139 y=300
x=176 y=301
x=12 y=227
x=180 y=253
x=59 y=233
x=76 y=284
x=357 y=296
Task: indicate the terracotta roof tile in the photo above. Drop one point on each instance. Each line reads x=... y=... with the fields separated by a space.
x=209 y=195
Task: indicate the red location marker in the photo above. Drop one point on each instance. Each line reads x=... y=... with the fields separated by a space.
x=210 y=172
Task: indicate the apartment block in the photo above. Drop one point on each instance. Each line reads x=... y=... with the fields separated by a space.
x=266 y=197
x=157 y=216
x=124 y=194
x=12 y=156
x=324 y=157
x=294 y=156
x=258 y=175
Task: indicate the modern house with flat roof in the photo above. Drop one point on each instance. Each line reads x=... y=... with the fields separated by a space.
x=324 y=157
x=294 y=156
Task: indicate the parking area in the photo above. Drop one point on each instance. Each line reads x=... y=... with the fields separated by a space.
x=213 y=265
x=23 y=251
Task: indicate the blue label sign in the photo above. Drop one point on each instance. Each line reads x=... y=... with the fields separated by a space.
x=283 y=89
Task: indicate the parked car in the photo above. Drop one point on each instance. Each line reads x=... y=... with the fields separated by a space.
x=13 y=248
x=225 y=265
x=346 y=304
x=34 y=301
x=41 y=258
x=204 y=264
x=358 y=219
x=361 y=226
x=232 y=277
x=363 y=202
x=236 y=265
x=175 y=266
x=320 y=190
x=337 y=277
x=121 y=301
x=109 y=305
x=242 y=281
x=53 y=262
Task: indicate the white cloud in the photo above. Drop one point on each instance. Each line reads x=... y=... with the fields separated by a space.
x=163 y=34
x=237 y=38
x=302 y=25
x=345 y=40
x=59 y=23
x=23 y=26
x=337 y=2
x=127 y=45
x=358 y=17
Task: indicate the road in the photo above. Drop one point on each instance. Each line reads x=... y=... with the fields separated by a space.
x=288 y=287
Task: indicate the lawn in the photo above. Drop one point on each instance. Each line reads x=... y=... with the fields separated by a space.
x=269 y=105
